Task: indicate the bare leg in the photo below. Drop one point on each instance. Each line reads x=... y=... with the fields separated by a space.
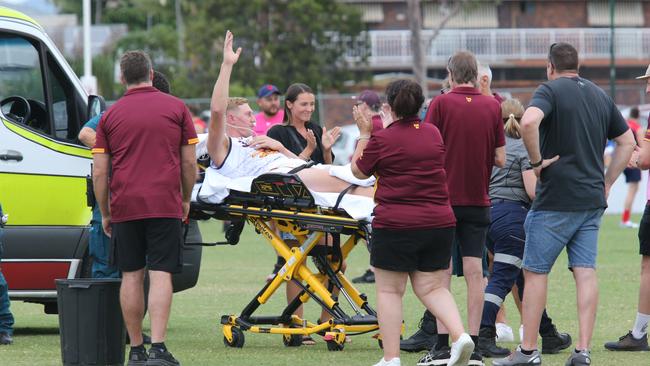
x=473 y=272
x=501 y=315
x=390 y=290
x=430 y=288
x=446 y=282
x=644 y=290
x=515 y=296
x=632 y=188
x=320 y=180
x=132 y=302
x=160 y=303
x=533 y=306
x=587 y=298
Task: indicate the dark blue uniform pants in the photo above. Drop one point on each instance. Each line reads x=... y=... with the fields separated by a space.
x=506 y=239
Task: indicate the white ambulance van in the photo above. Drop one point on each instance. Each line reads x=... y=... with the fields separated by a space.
x=43 y=166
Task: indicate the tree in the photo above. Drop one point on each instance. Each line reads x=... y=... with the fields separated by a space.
x=419 y=44
x=284 y=41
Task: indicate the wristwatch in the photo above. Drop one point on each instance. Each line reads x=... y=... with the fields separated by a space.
x=537 y=164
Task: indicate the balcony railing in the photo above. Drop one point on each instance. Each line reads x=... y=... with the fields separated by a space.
x=388 y=49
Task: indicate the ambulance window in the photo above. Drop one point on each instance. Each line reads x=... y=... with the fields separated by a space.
x=20 y=76
x=65 y=102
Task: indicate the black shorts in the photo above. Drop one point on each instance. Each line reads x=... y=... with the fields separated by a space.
x=156 y=243
x=644 y=232
x=425 y=250
x=472 y=224
x=632 y=175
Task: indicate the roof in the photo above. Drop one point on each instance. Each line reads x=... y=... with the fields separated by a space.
x=10 y=13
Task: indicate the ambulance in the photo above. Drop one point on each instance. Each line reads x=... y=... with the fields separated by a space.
x=43 y=166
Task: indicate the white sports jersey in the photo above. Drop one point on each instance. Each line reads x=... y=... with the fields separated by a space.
x=245 y=161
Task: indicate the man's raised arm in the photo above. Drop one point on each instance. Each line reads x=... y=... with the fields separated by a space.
x=217 y=142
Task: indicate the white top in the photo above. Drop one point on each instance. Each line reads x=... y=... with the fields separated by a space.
x=245 y=161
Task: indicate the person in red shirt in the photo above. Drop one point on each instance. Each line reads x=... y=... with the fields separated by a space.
x=632 y=175
x=413 y=227
x=146 y=139
x=471 y=127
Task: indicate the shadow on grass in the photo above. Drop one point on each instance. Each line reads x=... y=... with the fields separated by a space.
x=36 y=331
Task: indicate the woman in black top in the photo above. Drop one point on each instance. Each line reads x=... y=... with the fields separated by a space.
x=307 y=140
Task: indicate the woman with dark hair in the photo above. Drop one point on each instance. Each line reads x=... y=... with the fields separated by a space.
x=413 y=225
x=305 y=139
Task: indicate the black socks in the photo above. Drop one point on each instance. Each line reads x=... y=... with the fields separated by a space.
x=159 y=346
x=443 y=341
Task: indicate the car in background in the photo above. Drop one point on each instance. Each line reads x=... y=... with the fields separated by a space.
x=343 y=148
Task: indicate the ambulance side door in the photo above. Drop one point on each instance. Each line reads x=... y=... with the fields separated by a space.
x=42 y=164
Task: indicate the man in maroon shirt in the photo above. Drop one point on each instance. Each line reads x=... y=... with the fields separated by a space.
x=471 y=127
x=147 y=139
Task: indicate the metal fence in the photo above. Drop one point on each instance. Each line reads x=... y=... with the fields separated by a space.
x=503 y=46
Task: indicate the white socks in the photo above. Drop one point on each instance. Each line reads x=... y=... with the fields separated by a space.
x=640 y=325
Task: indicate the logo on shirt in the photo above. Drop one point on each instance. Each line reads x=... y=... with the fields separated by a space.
x=417 y=126
x=468 y=99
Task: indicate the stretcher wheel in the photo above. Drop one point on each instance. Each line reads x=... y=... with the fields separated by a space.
x=333 y=346
x=292 y=340
x=237 y=338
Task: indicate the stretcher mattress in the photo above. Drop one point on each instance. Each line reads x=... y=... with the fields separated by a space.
x=216 y=188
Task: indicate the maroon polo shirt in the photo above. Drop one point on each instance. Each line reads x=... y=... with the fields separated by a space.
x=471 y=127
x=408 y=160
x=143 y=132
x=377 y=123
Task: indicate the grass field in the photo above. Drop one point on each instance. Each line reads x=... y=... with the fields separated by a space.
x=231 y=276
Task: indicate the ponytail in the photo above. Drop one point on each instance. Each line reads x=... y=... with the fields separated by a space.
x=512 y=127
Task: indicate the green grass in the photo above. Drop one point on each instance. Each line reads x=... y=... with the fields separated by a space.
x=231 y=276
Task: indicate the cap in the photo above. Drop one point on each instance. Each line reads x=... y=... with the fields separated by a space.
x=267 y=90
x=370 y=98
x=647 y=74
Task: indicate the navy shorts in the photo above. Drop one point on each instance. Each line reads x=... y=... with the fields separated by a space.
x=632 y=175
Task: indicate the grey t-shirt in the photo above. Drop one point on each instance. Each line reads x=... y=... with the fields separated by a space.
x=507 y=183
x=579 y=118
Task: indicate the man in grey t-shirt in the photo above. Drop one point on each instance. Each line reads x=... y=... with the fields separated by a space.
x=565 y=130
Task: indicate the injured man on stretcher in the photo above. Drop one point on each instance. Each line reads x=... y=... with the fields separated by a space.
x=237 y=155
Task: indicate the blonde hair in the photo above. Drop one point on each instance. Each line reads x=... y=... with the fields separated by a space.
x=235 y=102
x=511 y=111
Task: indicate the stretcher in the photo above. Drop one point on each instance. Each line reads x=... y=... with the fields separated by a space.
x=284 y=202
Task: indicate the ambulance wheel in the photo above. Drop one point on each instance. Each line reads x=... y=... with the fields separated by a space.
x=237 y=338
x=292 y=340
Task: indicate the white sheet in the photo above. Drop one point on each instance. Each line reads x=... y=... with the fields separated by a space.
x=216 y=187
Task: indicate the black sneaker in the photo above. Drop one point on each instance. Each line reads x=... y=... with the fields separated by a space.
x=554 y=342
x=582 y=358
x=367 y=277
x=629 y=343
x=159 y=357
x=145 y=339
x=5 y=339
x=137 y=357
x=436 y=357
x=476 y=359
x=487 y=344
x=425 y=338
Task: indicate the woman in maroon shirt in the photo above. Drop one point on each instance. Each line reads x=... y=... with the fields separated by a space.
x=413 y=225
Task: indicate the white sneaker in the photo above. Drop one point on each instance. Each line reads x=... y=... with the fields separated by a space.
x=629 y=224
x=394 y=362
x=521 y=333
x=461 y=351
x=504 y=333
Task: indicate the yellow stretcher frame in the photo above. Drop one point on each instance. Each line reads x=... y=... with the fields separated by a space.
x=308 y=226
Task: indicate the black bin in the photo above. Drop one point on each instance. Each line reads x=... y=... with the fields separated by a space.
x=90 y=322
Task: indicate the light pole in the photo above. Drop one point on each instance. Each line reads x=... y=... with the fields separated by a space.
x=612 y=50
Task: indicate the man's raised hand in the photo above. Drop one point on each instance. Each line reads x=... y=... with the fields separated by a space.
x=230 y=57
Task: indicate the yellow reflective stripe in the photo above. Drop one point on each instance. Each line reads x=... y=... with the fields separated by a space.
x=47 y=142
x=193 y=141
x=10 y=13
x=22 y=196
